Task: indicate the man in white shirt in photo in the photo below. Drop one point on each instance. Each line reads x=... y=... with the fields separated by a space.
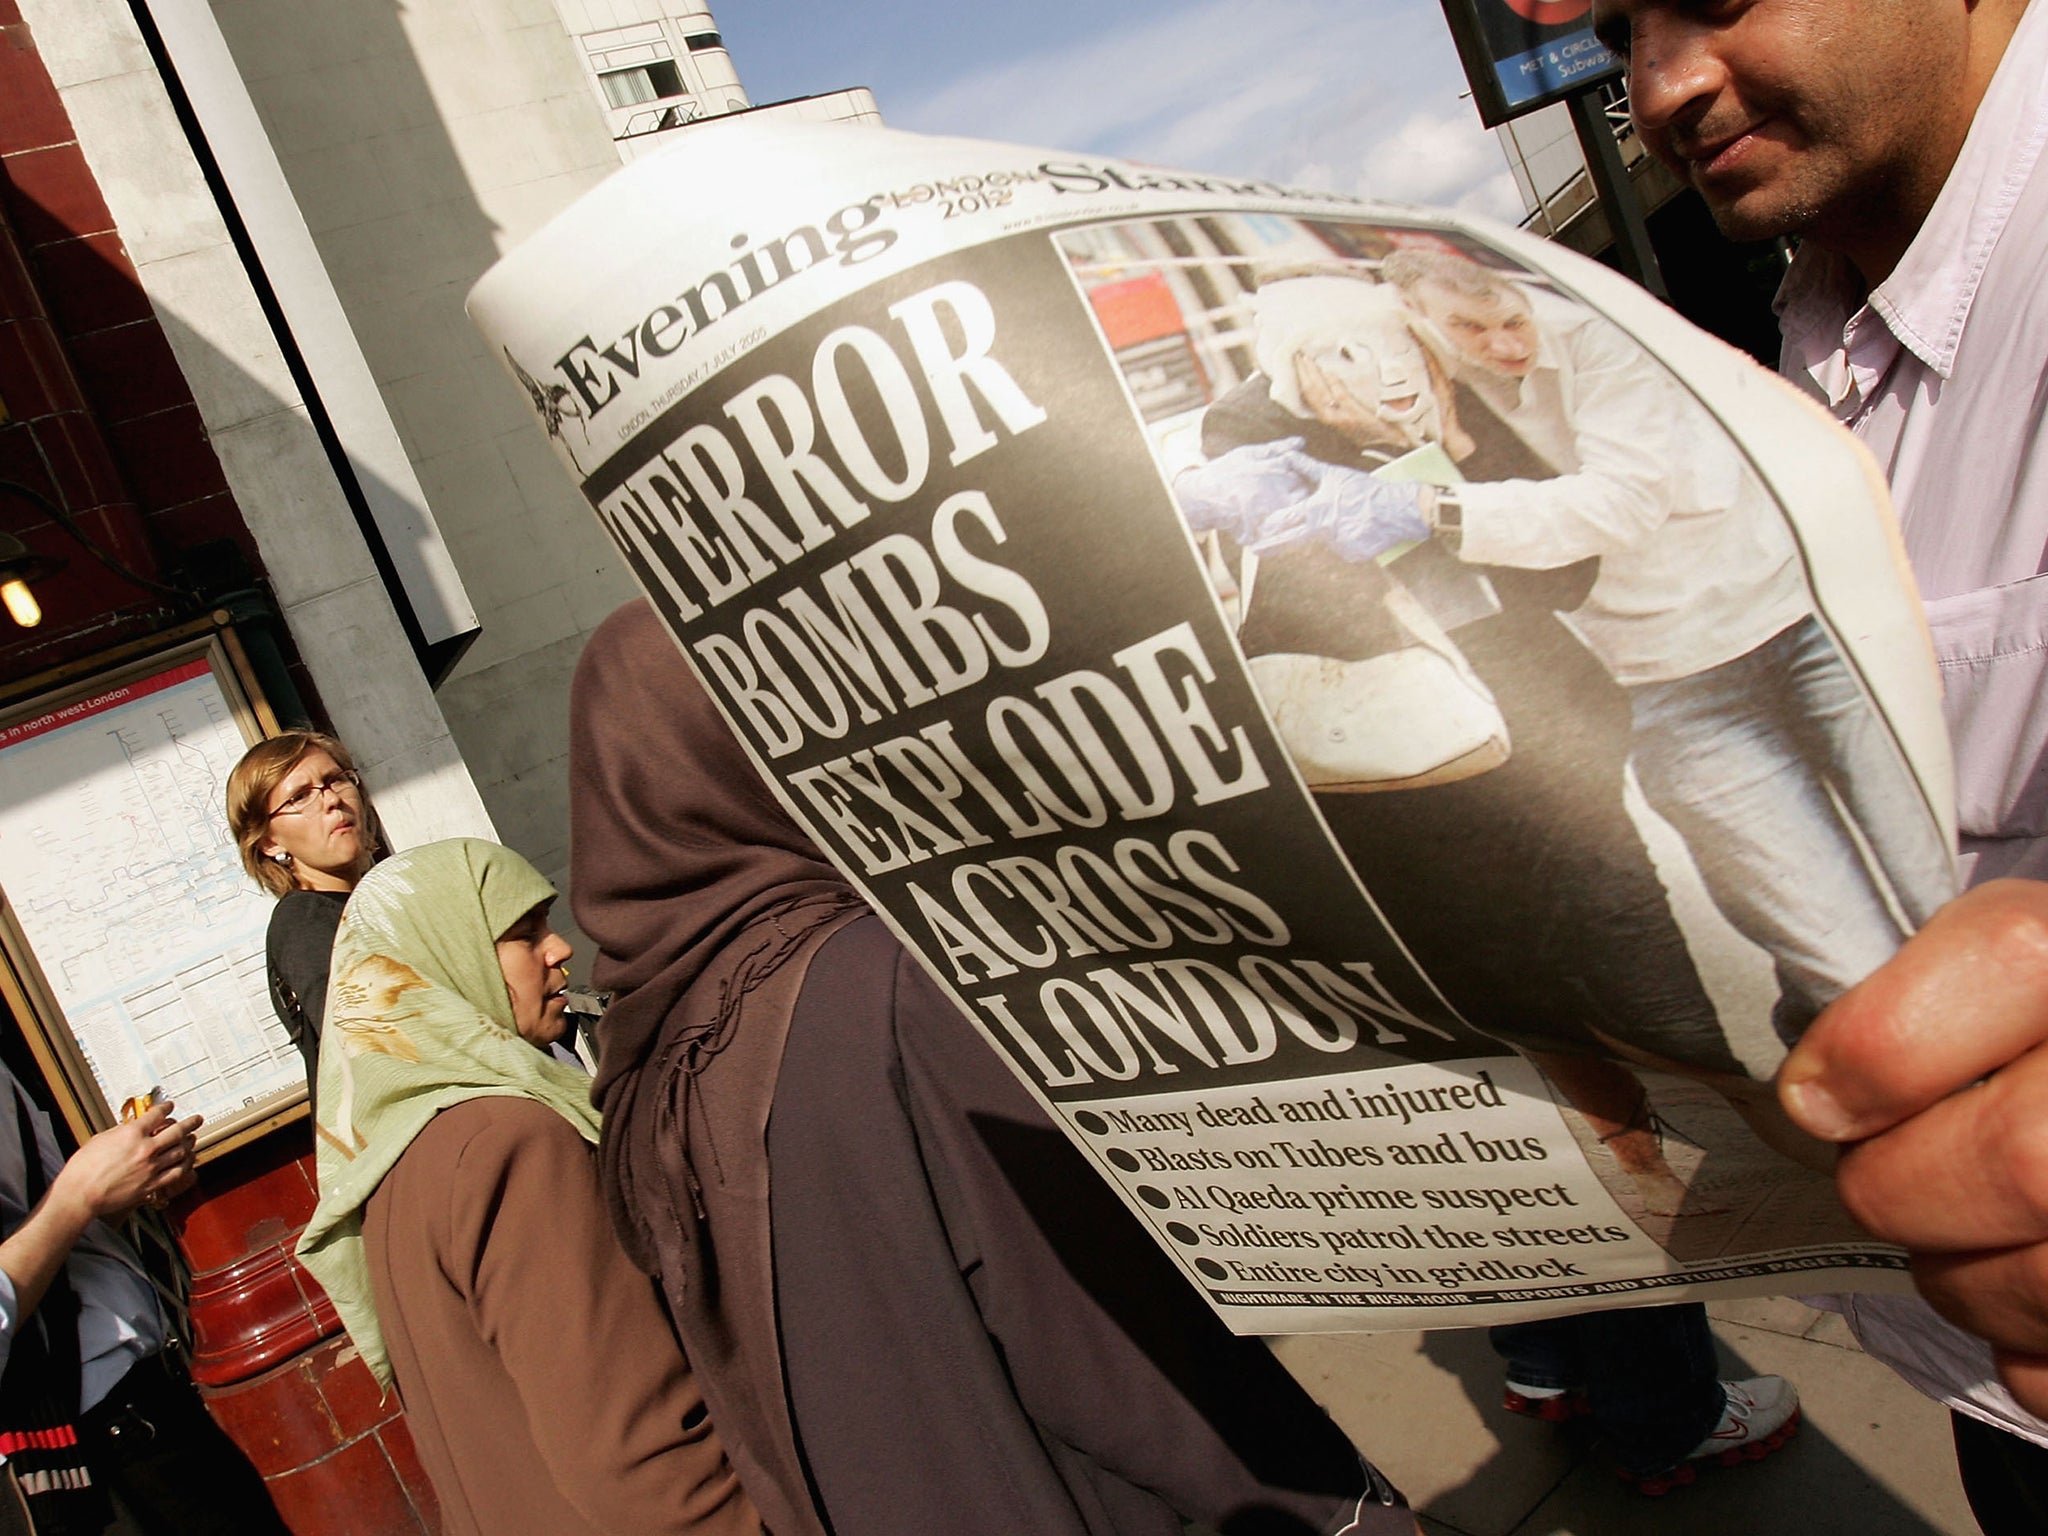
x=1752 y=736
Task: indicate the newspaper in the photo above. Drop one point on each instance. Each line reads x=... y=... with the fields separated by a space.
x=1387 y=730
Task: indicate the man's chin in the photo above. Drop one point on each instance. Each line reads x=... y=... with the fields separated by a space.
x=1756 y=214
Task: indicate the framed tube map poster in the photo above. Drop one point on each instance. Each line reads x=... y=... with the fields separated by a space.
x=132 y=940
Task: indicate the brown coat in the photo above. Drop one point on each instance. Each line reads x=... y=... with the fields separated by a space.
x=934 y=1313
x=541 y=1381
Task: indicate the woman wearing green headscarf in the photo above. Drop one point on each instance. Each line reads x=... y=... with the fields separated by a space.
x=460 y=1231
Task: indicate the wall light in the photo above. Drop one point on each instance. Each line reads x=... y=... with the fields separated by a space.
x=18 y=567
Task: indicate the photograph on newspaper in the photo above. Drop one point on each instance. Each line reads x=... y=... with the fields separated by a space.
x=1389 y=737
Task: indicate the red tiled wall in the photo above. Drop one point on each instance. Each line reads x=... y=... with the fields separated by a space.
x=99 y=417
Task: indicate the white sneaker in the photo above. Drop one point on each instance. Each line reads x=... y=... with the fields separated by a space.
x=1760 y=1415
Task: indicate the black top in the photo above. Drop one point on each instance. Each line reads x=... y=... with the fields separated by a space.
x=976 y=1334
x=299 y=948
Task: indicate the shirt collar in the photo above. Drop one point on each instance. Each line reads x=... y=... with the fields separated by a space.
x=1927 y=298
x=1832 y=341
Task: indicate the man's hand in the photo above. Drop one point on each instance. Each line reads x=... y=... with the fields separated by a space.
x=1353 y=514
x=1234 y=491
x=1458 y=442
x=140 y=1159
x=147 y=1158
x=1268 y=496
x=1935 y=1072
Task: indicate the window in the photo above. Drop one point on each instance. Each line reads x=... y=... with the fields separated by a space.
x=649 y=82
x=703 y=41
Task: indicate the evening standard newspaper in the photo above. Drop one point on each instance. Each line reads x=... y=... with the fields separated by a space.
x=1387 y=730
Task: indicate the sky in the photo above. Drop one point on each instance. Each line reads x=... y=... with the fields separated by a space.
x=1360 y=96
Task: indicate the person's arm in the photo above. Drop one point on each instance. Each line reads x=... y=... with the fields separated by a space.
x=1269 y=496
x=611 y=1402
x=104 y=1180
x=1933 y=1074
x=1623 y=415
x=1237 y=491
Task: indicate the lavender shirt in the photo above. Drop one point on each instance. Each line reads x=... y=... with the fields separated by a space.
x=1943 y=374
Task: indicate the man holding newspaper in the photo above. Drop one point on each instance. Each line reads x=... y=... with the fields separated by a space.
x=1904 y=143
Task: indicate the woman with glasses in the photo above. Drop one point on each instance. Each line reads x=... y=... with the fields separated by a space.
x=307 y=834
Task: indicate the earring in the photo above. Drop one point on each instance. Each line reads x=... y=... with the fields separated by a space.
x=281 y=857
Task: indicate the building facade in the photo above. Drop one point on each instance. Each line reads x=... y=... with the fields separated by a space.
x=367 y=162
x=238 y=393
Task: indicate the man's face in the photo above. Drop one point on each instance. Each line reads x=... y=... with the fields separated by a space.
x=1496 y=331
x=1836 y=118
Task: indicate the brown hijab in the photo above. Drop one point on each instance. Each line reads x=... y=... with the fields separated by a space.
x=706 y=903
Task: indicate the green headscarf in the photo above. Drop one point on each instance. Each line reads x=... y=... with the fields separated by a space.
x=418 y=1020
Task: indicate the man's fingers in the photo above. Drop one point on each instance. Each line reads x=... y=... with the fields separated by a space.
x=1997 y=1296
x=1967 y=1174
x=2026 y=1377
x=1966 y=995
x=1316 y=392
x=1329 y=401
x=152 y=1119
x=167 y=1185
x=174 y=1146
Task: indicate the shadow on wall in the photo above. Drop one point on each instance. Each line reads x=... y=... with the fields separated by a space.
x=101 y=422
x=364 y=138
x=396 y=125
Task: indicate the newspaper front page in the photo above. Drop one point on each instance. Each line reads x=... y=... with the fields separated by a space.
x=1387 y=731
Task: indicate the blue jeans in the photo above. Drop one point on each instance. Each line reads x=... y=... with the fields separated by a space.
x=1648 y=1372
x=1762 y=764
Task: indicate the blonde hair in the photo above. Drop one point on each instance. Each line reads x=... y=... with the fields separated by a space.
x=262 y=768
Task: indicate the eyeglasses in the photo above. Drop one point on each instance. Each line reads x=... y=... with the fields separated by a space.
x=301 y=799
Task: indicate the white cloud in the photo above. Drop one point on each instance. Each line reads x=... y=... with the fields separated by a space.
x=1357 y=96
x=1115 y=85
x=1440 y=159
